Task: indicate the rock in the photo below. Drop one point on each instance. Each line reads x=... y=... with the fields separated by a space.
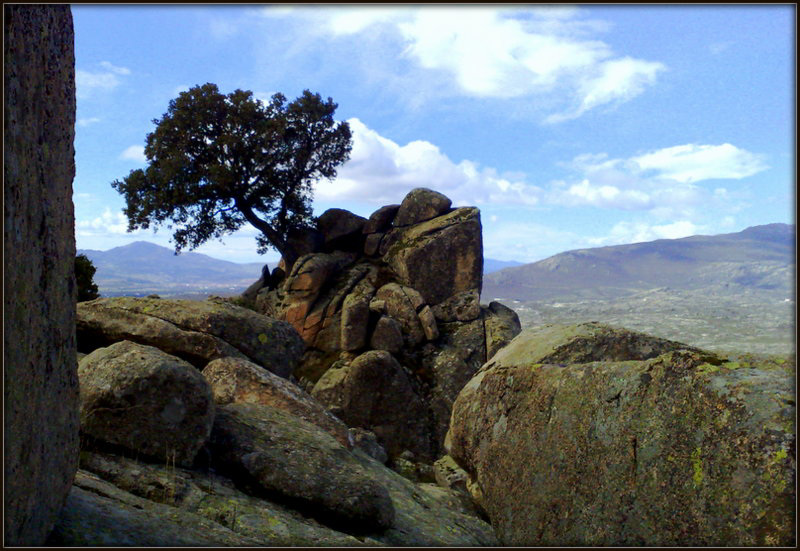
x=428 y=322
x=585 y=342
x=100 y=514
x=387 y=335
x=381 y=219
x=304 y=240
x=419 y=205
x=372 y=243
x=502 y=325
x=233 y=380
x=366 y=441
x=463 y=306
x=298 y=460
x=402 y=304
x=146 y=401
x=450 y=475
x=306 y=279
x=341 y=230
x=425 y=514
x=102 y=322
x=214 y=498
x=375 y=392
x=459 y=354
x=40 y=391
x=270 y=343
x=682 y=449
x=355 y=320
x=440 y=257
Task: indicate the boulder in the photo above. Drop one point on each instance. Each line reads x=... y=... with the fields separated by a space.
x=293 y=458
x=98 y=514
x=501 y=325
x=375 y=392
x=355 y=321
x=683 y=449
x=101 y=323
x=459 y=354
x=419 y=205
x=381 y=219
x=270 y=343
x=40 y=390
x=585 y=342
x=145 y=401
x=463 y=306
x=387 y=335
x=212 y=499
x=235 y=380
x=440 y=257
x=341 y=230
x=402 y=303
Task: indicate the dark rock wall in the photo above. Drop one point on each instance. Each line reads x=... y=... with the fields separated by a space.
x=40 y=381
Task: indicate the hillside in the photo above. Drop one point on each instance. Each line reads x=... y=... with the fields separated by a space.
x=760 y=258
x=143 y=268
x=732 y=292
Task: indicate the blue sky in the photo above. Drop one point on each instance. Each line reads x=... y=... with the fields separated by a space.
x=569 y=127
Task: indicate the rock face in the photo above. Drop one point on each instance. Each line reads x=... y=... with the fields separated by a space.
x=651 y=446
x=146 y=401
x=234 y=380
x=197 y=331
x=40 y=396
x=405 y=283
x=286 y=455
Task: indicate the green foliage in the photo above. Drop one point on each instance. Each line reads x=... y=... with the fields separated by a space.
x=84 y=274
x=216 y=162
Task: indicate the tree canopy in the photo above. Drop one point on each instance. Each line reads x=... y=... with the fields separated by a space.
x=216 y=162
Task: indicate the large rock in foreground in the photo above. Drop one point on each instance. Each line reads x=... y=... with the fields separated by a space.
x=146 y=401
x=293 y=458
x=683 y=449
x=40 y=391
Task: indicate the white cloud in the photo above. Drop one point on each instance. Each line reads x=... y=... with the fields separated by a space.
x=381 y=171
x=87 y=121
x=134 y=153
x=488 y=52
x=88 y=82
x=662 y=181
x=693 y=163
x=115 y=223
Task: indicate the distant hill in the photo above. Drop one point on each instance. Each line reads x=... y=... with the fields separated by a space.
x=490 y=265
x=145 y=268
x=759 y=258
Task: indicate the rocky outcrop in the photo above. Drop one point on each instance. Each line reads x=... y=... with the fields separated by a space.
x=146 y=401
x=586 y=435
x=40 y=391
x=197 y=331
x=405 y=282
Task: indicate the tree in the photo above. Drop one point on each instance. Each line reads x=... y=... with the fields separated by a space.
x=216 y=162
x=84 y=277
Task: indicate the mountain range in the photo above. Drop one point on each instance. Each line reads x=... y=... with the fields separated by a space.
x=759 y=258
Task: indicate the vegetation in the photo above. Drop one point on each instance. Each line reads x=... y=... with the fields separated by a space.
x=84 y=277
x=216 y=162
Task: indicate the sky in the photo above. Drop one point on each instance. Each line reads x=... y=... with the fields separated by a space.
x=568 y=126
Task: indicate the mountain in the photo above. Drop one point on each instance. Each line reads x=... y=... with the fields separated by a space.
x=760 y=258
x=144 y=268
x=490 y=265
